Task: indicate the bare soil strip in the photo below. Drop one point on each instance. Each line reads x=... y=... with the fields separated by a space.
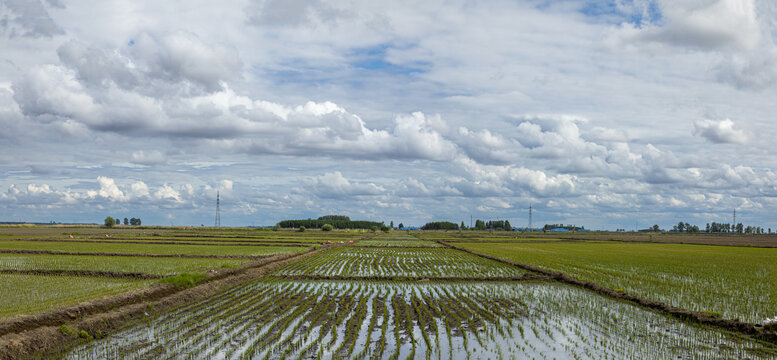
x=524 y=277
x=52 y=252
x=757 y=330
x=148 y=242
x=113 y=274
x=23 y=336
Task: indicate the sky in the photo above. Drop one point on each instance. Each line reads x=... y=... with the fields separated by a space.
x=606 y=114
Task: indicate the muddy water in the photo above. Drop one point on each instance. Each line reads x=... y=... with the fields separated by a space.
x=274 y=319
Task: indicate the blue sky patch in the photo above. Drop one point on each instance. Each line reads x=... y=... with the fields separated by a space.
x=609 y=12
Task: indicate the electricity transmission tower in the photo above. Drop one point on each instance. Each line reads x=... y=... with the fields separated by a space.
x=530 y=217
x=218 y=211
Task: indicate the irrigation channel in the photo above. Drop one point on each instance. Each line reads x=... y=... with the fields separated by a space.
x=278 y=318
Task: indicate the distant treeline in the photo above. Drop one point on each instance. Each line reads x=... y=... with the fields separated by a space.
x=562 y=226
x=337 y=224
x=440 y=225
x=715 y=227
x=479 y=225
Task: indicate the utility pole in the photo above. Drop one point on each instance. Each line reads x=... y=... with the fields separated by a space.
x=735 y=216
x=218 y=211
x=470 y=221
x=530 y=217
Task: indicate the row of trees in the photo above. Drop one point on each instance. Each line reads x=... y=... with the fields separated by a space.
x=489 y=225
x=440 y=225
x=337 y=224
x=562 y=226
x=109 y=221
x=715 y=227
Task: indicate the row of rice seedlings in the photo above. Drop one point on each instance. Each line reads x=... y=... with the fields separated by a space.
x=398 y=240
x=399 y=262
x=273 y=319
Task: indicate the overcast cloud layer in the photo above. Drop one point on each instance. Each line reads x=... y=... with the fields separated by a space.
x=608 y=114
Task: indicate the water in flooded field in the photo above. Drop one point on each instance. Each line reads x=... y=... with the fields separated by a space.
x=283 y=319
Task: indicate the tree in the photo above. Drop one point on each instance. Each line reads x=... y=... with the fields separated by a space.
x=401 y=225
x=656 y=228
x=108 y=221
x=326 y=227
x=507 y=226
x=480 y=225
x=301 y=229
x=462 y=226
x=680 y=226
x=126 y=221
x=374 y=229
x=385 y=228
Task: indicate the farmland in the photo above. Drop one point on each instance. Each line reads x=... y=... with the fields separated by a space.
x=737 y=282
x=271 y=319
x=397 y=295
x=65 y=266
x=400 y=262
x=29 y=294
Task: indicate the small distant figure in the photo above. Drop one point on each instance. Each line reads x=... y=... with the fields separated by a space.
x=71 y=236
x=351 y=241
x=106 y=235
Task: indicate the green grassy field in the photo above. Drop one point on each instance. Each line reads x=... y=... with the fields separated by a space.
x=736 y=282
x=46 y=292
x=129 y=264
x=30 y=294
x=162 y=249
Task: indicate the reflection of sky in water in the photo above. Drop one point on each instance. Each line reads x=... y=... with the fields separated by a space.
x=466 y=320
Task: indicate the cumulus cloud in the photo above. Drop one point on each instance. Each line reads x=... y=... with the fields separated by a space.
x=702 y=24
x=182 y=56
x=720 y=132
x=103 y=99
x=108 y=190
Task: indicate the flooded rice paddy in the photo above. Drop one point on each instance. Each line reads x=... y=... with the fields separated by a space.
x=325 y=319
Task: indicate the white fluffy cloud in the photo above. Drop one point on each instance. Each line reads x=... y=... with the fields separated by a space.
x=703 y=24
x=720 y=132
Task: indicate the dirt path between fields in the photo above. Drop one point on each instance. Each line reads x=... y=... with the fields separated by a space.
x=112 y=274
x=23 y=336
x=756 y=330
x=52 y=252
